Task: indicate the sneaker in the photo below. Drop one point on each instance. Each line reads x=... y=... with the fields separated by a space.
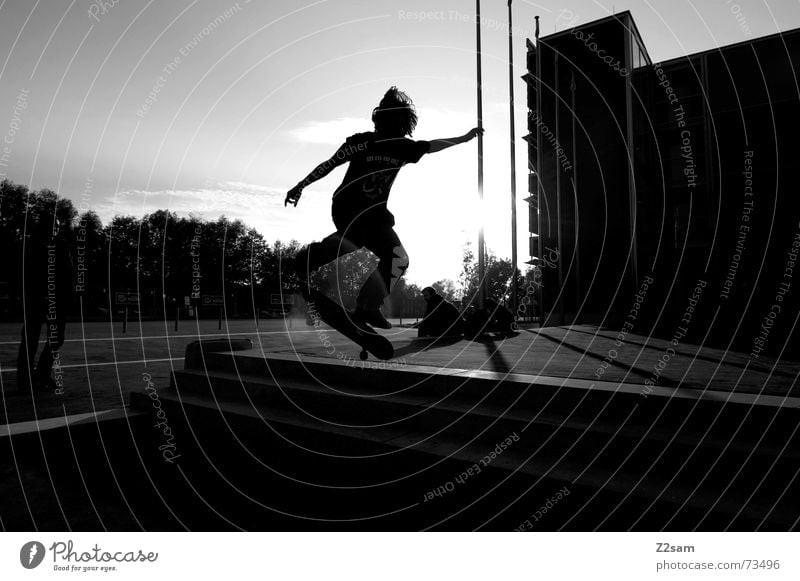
x=373 y=318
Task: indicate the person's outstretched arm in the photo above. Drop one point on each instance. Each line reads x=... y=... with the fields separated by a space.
x=440 y=144
x=319 y=172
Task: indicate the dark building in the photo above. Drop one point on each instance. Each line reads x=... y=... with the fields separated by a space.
x=669 y=184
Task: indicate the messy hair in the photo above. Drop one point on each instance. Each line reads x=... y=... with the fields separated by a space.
x=395 y=114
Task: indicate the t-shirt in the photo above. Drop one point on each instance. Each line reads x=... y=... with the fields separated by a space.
x=374 y=164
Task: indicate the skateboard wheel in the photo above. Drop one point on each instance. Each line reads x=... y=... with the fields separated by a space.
x=363 y=356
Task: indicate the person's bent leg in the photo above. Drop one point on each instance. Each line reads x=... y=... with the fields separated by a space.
x=318 y=254
x=392 y=265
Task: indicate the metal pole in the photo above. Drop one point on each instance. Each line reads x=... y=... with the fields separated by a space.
x=512 y=138
x=539 y=241
x=631 y=178
x=481 y=260
x=557 y=167
x=573 y=87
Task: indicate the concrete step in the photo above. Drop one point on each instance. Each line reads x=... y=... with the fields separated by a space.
x=693 y=456
x=715 y=414
x=35 y=428
x=361 y=407
x=603 y=457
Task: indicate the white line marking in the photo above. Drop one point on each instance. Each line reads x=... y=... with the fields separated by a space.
x=106 y=363
x=138 y=338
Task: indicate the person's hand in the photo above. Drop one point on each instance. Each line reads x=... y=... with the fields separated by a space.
x=293 y=195
x=473 y=133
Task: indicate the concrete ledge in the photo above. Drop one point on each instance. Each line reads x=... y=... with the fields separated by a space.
x=360 y=409
x=197 y=350
x=402 y=376
x=75 y=420
x=520 y=460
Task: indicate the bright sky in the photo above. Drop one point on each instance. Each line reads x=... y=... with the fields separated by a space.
x=246 y=107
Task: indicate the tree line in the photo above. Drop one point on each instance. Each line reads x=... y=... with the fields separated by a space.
x=162 y=258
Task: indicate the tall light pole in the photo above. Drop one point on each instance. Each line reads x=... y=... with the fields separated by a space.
x=573 y=88
x=481 y=251
x=559 y=230
x=539 y=249
x=512 y=138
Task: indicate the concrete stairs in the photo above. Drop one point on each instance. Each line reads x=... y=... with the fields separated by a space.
x=386 y=446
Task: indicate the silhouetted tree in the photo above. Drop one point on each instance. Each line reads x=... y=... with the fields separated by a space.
x=123 y=253
x=165 y=257
x=20 y=209
x=499 y=272
x=446 y=288
x=90 y=261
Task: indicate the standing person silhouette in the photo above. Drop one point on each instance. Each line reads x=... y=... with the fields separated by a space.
x=48 y=286
x=359 y=209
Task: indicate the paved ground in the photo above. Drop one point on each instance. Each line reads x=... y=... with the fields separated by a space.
x=101 y=365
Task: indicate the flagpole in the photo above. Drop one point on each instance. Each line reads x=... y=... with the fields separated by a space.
x=512 y=139
x=573 y=87
x=481 y=259
x=540 y=250
x=559 y=230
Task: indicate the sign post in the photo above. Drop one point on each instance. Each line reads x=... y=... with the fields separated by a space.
x=215 y=301
x=125 y=299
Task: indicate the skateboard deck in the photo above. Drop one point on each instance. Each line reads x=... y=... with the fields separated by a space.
x=340 y=319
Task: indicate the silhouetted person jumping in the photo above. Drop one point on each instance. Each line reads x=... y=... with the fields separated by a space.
x=359 y=209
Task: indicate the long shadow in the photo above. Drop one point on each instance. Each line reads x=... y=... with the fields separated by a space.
x=420 y=345
x=496 y=359
x=665 y=382
x=752 y=365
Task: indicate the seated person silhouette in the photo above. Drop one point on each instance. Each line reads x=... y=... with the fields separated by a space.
x=442 y=318
x=359 y=207
x=491 y=318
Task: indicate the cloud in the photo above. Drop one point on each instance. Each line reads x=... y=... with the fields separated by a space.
x=434 y=122
x=242 y=186
x=225 y=198
x=258 y=206
x=330 y=132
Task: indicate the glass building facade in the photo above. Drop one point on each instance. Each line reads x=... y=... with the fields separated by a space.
x=678 y=172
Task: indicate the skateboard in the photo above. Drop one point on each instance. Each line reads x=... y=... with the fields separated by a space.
x=341 y=319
